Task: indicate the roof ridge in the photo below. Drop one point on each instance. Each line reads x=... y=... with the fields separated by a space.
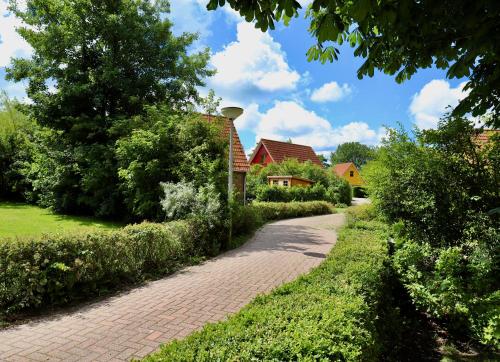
x=285 y=142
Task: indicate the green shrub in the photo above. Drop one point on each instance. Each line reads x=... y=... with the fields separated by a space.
x=438 y=188
x=328 y=314
x=316 y=192
x=335 y=189
x=56 y=269
x=284 y=210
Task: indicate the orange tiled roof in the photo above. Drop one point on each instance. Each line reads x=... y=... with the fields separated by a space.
x=240 y=162
x=483 y=138
x=280 y=151
x=341 y=168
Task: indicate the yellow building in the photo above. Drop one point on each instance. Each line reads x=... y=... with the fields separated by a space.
x=349 y=172
x=288 y=181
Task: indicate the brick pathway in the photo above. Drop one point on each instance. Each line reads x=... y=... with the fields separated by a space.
x=135 y=323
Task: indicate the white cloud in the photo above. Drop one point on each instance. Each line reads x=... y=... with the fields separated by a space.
x=254 y=60
x=250 y=117
x=288 y=119
x=11 y=43
x=430 y=104
x=331 y=92
x=191 y=16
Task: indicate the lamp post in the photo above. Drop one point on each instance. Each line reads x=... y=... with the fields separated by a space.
x=231 y=113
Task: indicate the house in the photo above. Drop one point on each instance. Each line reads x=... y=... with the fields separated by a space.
x=349 y=172
x=270 y=151
x=289 y=181
x=240 y=163
x=484 y=138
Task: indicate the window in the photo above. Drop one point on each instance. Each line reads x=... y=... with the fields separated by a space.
x=263 y=158
x=275 y=182
x=285 y=183
x=351 y=173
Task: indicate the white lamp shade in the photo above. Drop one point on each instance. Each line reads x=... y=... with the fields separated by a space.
x=232 y=112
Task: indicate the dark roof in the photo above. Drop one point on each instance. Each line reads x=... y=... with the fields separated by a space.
x=240 y=162
x=341 y=168
x=279 y=151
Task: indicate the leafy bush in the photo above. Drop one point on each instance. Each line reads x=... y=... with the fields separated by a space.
x=335 y=189
x=168 y=147
x=202 y=207
x=56 y=269
x=315 y=192
x=248 y=218
x=328 y=314
x=437 y=189
x=285 y=210
x=16 y=137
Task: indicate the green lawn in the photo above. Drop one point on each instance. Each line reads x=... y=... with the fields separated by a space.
x=28 y=220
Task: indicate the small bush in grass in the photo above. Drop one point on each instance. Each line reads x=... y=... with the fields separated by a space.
x=56 y=269
x=328 y=314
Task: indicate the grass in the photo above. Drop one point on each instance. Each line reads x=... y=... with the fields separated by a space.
x=19 y=220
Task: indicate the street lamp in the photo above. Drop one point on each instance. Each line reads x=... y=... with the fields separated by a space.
x=232 y=113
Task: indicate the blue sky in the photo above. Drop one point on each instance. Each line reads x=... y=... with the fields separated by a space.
x=284 y=95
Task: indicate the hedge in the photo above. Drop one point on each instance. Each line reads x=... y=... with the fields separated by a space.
x=340 y=193
x=328 y=314
x=57 y=269
x=248 y=218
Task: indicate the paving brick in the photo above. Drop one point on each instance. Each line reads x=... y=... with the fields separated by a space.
x=135 y=323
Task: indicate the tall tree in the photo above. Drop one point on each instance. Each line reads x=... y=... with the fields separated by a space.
x=400 y=36
x=96 y=65
x=354 y=152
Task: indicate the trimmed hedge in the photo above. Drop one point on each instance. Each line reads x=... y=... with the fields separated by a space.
x=285 y=210
x=328 y=314
x=340 y=193
x=59 y=268
x=247 y=219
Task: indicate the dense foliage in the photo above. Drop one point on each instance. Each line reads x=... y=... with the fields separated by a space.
x=354 y=152
x=168 y=147
x=399 y=37
x=16 y=141
x=440 y=189
x=327 y=187
x=101 y=76
x=328 y=314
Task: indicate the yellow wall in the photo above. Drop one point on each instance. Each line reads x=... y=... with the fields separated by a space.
x=291 y=182
x=356 y=179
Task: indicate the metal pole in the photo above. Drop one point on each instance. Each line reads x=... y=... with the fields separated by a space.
x=231 y=156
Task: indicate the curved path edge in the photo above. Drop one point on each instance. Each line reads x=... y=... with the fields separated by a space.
x=135 y=323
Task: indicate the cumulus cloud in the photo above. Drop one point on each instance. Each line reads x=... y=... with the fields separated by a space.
x=431 y=103
x=11 y=43
x=331 y=92
x=288 y=119
x=254 y=60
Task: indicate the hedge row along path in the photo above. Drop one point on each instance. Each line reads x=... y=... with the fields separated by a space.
x=134 y=324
